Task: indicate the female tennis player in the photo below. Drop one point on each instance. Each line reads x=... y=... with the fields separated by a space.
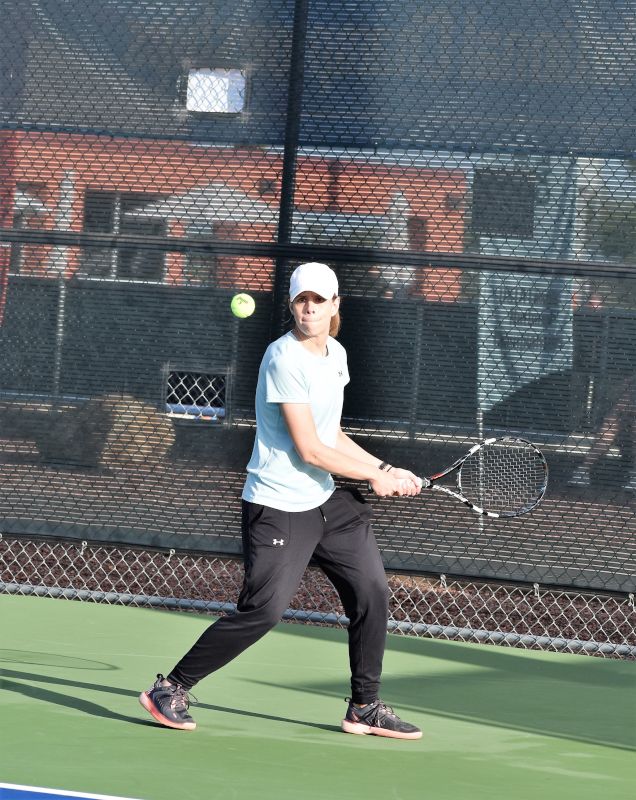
x=293 y=511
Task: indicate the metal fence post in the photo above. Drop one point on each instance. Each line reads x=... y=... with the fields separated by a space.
x=288 y=179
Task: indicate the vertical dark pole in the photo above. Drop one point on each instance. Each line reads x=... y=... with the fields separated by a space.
x=290 y=154
x=8 y=217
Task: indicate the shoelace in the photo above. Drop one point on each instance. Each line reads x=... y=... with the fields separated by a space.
x=375 y=714
x=381 y=710
x=180 y=700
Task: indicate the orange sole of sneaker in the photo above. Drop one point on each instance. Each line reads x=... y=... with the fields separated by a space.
x=367 y=730
x=151 y=709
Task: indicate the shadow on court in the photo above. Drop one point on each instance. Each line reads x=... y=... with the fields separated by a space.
x=578 y=698
x=566 y=696
x=52 y=660
x=519 y=691
x=588 y=670
x=9 y=678
x=60 y=699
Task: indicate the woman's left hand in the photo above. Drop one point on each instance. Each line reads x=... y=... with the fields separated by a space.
x=412 y=483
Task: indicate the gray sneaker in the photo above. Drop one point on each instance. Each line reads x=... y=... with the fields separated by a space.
x=378 y=719
x=168 y=705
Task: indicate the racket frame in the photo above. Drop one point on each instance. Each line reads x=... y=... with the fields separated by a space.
x=431 y=481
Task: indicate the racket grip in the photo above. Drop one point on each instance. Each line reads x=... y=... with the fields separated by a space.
x=423 y=483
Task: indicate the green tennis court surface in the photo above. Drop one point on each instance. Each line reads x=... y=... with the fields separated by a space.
x=498 y=723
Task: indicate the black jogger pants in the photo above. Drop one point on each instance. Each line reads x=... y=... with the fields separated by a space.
x=277 y=547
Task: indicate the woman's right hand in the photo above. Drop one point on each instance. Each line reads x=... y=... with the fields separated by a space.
x=387 y=485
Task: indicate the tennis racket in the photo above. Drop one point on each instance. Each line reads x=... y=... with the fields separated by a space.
x=497 y=478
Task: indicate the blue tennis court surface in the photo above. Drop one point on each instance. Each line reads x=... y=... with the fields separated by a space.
x=9 y=791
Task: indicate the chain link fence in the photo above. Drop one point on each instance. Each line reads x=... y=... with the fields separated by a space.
x=531 y=617
x=467 y=170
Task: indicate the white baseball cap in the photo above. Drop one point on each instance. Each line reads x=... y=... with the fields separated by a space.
x=313 y=277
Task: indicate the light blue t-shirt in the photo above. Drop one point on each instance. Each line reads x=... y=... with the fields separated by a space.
x=289 y=373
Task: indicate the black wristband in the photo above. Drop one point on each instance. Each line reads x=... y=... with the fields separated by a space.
x=385 y=466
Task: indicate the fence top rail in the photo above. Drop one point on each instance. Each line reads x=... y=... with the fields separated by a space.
x=333 y=254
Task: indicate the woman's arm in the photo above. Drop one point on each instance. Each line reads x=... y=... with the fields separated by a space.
x=346 y=445
x=346 y=459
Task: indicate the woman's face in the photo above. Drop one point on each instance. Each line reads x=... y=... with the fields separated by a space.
x=313 y=313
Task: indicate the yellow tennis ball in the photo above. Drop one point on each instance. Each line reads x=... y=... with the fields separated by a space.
x=242 y=305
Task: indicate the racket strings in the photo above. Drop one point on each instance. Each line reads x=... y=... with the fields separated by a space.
x=504 y=477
